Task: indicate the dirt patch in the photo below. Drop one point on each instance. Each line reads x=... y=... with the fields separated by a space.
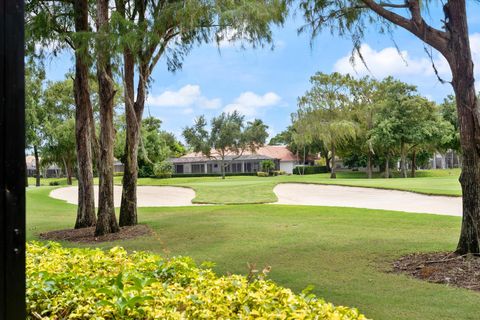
x=87 y=235
x=442 y=267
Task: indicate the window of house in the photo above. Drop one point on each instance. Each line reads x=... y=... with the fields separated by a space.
x=236 y=167
x=198 y=168
x=252 y=166
x=179 y=168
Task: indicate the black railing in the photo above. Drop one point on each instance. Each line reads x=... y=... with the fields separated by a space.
x=12 y=161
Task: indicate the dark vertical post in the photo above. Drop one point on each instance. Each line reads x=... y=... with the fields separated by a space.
x=12 y=161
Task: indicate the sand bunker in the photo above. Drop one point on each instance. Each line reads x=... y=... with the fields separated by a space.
x=147 y=196
x=338 y=196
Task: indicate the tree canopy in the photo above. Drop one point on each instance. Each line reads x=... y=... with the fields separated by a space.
x=324 y=112
x=368 y=122
x=228 y=135
x=156 y=145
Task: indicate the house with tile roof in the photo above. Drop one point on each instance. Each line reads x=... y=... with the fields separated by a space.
x=52 y=171
x=247 y=162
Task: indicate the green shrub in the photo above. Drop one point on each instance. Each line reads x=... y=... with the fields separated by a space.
x=54 y=183
x=267 y=165
x=279 y=173
x=81 y=283
x=262 y=174
x=309 y=169
x=163 y=169
x=228 y=174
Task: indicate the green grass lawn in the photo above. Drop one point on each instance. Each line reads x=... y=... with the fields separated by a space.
x=345 y=253
x=252 y=189
x=47 y=181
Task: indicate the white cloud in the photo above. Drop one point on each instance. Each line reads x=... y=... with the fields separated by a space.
x=190 y=98
x=186 y=97
x=250 y=103
x=387 y=61
x=188 y=111
x=209 y=103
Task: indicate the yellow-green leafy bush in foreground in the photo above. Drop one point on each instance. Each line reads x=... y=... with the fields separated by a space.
x=65 y=283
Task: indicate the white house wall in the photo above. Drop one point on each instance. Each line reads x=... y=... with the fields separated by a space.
x=287 y=166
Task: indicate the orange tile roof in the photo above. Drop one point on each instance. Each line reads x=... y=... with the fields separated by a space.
x=276 y=152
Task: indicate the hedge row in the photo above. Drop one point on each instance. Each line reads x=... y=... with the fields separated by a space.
x=228 y=174
x=310 y=169
x=79 y=283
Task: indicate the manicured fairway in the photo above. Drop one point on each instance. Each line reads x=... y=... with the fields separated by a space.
x=252 y=189
x=234 y=190
x=344 y=253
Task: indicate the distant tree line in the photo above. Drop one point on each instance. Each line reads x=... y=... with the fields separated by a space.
x=370 y=123
x=50 y=112
x=227 y=139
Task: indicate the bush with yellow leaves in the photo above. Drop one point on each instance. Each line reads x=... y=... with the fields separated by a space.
x=65 y=283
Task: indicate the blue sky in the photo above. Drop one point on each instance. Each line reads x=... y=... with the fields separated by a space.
x=264 y=83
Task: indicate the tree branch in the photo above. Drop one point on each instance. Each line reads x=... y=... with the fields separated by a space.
x=170 y=35
x=57 y=27
x=416 y=25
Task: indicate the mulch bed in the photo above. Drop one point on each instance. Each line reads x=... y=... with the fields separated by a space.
x=442 y=267
x=87 y=235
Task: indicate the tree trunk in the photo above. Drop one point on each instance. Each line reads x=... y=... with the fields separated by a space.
x=304 y=159
x=223 y=168
x=443 y=162
x=459 y=58
x=369 y=165
x=414 y=162
x=333 y=174
x=327 y=162
x=128 y=209
x=134 y=113
x=37 y=167
x=68 y=171
x=69 y=175
x=86 y=204
x=387 y=167
x=107 y=222
x=403 y=161
x=434 y=162
x=133 y=118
